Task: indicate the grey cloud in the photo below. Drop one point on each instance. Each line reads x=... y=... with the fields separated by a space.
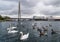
x=50 y=12
x=11 y=0
x=8 y=8
x=14 y=12
x=27 y=12
x=26 y=3
x=30 y=3
x=4 y=7
x=52 y=2
x=27 y=7
x=9 y=12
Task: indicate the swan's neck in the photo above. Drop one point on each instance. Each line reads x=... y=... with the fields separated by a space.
x=9 y=30
x=21 y=34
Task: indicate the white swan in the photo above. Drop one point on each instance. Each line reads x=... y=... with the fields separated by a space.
x=12 y=31
x=24 y=37
x=11 y=28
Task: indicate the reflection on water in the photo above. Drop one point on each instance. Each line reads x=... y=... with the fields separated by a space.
x=26 y=27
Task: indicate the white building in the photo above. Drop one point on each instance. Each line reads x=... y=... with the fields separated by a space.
x=39 y=17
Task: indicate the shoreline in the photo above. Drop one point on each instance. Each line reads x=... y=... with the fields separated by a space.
x=28 y=19
x=17 y=21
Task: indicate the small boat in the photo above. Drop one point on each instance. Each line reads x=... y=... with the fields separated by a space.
x=24 y=37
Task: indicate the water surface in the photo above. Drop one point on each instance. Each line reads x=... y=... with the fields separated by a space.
x=34 y=34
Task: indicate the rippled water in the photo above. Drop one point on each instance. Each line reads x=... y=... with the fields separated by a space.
x=34 y=34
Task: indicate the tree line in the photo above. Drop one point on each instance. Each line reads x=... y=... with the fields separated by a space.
x=4 y=17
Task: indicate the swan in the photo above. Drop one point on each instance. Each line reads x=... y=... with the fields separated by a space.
x=11 y=28
x=24 y=37
x=12 y=31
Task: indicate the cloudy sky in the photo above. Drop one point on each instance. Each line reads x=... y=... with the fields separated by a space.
x=30 y=8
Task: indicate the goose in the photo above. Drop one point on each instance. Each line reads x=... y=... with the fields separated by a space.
x=50 y=25
x=53 y=32
x=46 y=34
x=24 y=37
x=42 y=33
x=44 y=29
x=34 y=26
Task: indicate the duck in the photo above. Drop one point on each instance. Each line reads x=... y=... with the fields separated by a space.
x=34 y=26
x=45 y=29
x=46 y=34
x=24 y=37
x=50 y=25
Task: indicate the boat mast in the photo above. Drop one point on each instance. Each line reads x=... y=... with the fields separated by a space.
x=19 y=19
x=19 y=12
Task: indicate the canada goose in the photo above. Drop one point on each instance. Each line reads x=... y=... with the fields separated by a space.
x=50 y=25
x=53 y=32
x=42 y=33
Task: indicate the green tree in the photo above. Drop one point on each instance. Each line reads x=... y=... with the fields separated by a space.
x=1 y=18
x=6 y=17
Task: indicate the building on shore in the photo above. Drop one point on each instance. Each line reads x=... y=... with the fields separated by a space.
x=45 y=18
